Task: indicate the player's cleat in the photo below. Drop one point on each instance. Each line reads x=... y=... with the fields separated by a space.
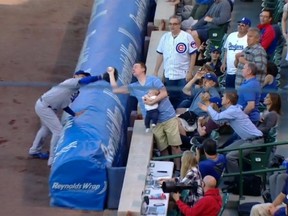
x=40 y=155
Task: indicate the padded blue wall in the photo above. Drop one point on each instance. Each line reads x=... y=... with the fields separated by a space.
x=97 y=139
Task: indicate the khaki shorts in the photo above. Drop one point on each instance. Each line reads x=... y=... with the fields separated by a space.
x=167 y=134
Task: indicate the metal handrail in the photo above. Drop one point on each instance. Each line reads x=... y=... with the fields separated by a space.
x=240 y=173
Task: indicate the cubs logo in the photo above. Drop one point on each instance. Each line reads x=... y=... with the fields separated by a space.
x=181 y=47
x=193 y=45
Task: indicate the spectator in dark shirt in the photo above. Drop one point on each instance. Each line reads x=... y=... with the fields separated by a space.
x=214 y=60
x=215 y=163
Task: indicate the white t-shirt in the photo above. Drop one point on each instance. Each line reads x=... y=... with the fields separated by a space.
x=151 y=107
x=233 y=45
x=285 y=8
x=176 y=54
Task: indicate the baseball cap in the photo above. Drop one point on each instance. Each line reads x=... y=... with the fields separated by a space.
x=81 y=72
x=245 y=21
x=216 y=100
x=214 y=48
x=211 y=76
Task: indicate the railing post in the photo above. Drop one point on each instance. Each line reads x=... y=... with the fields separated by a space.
x=240 y=176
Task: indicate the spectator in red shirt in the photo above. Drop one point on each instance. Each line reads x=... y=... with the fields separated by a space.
x=268 y=35
x=209 y=205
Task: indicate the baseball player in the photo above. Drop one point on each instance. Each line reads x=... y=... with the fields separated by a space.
x=56 y=99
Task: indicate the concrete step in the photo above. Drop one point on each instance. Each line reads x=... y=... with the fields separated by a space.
x=233 y=203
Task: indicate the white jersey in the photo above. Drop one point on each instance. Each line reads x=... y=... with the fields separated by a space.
x=60 y=96
x=176 y=54
x=233 y=45
x=151 y=107
x=285 y=8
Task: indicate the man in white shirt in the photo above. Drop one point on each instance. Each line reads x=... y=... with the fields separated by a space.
x=177 y=51
x=235 y=43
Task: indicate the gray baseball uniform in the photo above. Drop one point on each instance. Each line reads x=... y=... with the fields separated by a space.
x=57 y=98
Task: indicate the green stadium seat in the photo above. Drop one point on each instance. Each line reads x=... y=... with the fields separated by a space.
x=225 y=199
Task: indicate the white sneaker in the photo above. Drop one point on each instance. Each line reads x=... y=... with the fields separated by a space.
x=147 y=130
x=50 y=161
x=153 y=125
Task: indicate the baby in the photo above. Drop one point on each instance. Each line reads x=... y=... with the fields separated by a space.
x=152 y=112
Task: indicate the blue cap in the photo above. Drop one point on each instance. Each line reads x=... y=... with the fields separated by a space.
x=216 y=100
x=245 y=21
x=211 y=76
x=81 y=72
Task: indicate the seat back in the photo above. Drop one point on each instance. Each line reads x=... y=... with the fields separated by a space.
x=216 y=37
x=214 y=135
x=217 y=34
x=272 y=135
x=225 y=199
x=261 y=157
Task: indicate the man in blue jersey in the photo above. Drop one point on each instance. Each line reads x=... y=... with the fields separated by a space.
x=166 y=132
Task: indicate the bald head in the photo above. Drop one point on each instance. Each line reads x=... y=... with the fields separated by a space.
x=210 y=182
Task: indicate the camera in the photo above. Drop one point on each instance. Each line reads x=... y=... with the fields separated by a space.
x=169 y=187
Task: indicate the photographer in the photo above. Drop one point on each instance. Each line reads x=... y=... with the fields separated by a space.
x=210 y=204
x=189 y=175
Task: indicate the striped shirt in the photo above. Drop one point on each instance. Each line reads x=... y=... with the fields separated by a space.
x=257 y=55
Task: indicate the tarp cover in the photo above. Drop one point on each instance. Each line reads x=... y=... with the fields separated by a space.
x=97 y=138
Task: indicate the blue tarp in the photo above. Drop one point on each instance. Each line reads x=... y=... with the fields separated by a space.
x=97 y=138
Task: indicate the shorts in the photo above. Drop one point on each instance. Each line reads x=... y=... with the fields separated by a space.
x=167 y=134
x=203 y=34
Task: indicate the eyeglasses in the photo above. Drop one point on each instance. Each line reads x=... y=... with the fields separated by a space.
x=173 y=24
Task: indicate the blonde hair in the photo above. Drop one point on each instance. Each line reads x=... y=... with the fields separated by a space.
x=188 y=161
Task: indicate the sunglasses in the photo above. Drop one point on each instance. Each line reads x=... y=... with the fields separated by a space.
x=241 y=25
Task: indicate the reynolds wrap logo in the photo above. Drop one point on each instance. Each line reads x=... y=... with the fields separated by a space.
x=85 y=186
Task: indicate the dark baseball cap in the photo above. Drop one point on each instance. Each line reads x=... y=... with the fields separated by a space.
x=216 y=100
x=215 y=49
x=81 y=72
x=245 y=21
